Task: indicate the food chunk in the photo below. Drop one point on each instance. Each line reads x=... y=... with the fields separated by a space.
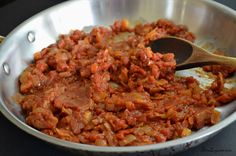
x=41 y=118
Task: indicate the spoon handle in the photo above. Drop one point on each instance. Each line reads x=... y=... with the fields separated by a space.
x=219 y=59
x=201 y=56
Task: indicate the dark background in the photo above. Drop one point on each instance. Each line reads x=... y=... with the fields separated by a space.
x=15 y=142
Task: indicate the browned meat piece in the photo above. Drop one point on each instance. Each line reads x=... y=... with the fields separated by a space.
x=42 y=118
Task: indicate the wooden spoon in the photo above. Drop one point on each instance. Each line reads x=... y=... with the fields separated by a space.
x=188 y=55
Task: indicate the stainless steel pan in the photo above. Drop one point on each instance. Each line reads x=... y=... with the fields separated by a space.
x=213 y=24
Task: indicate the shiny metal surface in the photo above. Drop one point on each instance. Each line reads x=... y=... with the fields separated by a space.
x=213 y=24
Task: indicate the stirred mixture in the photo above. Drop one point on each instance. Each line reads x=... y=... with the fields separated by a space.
x=108 y=88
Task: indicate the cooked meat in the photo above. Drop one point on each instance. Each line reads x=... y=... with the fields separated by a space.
x=108 y=88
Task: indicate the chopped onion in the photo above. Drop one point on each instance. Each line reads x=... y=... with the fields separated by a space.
x=127 y=140
x=101 y=142
x=186 y=132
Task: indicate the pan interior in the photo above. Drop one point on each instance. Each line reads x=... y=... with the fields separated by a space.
x=202 y=18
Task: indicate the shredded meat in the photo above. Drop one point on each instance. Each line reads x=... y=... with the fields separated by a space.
x=108 y=88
